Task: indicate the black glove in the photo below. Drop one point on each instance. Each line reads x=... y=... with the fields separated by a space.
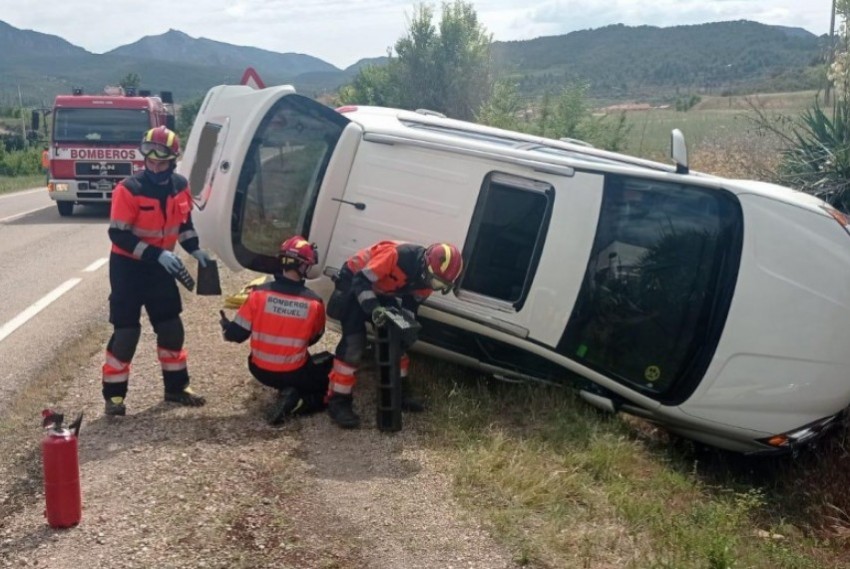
x=224 y=322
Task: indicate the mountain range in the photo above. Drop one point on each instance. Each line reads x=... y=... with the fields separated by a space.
x=616 y=62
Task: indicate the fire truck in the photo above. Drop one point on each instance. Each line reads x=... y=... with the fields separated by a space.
x=95 y=142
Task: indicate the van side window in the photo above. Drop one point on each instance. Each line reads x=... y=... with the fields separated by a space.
x=506 y=238
x=658 y=285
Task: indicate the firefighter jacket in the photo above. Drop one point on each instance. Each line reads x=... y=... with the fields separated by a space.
x=388 y=268
x=147 y=218
x=282 y=318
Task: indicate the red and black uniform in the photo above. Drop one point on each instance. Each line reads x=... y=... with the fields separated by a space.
x=389 y=273
x=283 y=318
x=146 y=219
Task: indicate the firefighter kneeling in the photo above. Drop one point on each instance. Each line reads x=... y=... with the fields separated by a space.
x=389 y=274
x=283 y=318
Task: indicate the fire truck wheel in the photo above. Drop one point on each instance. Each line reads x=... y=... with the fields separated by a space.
x=65 y=208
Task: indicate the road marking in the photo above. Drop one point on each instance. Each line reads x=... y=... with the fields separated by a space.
x=36 y=307
x=23 y=193
x=23 y=213
x=96 y=265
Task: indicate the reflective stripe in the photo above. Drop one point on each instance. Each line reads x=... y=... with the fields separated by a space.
x=139 y=249
x=116 y=377
x=138 y=232
x=187 y=235
x=242 y=322
x=279 y=340
x=164 y=353
x=342 y=389
x=115 y=363
x=448 y=252
x=369 y=274
x=366 y=295
x=171 y=231
x=122 y=225
x=176 y=366
x=343 y=368
x=278 y=359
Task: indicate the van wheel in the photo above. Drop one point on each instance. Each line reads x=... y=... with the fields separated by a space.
x=65 y=208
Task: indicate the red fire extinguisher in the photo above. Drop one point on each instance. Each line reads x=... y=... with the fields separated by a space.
x=61 y=471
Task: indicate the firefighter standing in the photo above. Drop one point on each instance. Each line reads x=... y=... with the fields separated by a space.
x=387 y=275
x=45 y=164
x=151 y=212
x=283 y=318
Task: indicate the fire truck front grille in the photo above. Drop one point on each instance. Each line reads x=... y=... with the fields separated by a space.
x=103 y=169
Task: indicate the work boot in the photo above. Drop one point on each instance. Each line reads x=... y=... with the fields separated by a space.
x=341 y=412
x=185 y=397
x=288 y=402
x=409 y=402
x=115 y=407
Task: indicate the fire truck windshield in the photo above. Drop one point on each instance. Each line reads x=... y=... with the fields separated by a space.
x=100 y=125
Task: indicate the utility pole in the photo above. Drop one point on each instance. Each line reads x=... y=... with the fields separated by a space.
x=831 y=56
x=23 y=120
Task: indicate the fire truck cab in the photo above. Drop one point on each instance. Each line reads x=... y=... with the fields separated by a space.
x=95 y=142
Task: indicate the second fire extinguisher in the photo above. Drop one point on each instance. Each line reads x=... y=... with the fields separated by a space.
x=61 y=471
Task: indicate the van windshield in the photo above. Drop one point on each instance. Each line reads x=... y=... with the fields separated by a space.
x=109 y=126
x=658 y=285
x=280 y=178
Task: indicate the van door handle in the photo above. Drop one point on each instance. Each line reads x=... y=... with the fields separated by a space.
x=360 y=206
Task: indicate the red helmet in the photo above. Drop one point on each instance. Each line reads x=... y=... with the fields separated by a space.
x=443 y=265
x=160 y=143
x=297 y=253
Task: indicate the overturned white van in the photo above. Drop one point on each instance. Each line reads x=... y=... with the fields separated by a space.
x=718 y=308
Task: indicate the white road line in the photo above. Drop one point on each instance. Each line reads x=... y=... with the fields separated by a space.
x=36 y=307
x=23 y=193
x=96 y=265
x=23 y=213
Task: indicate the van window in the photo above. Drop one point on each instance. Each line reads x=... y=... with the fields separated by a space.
x=280 y=178
x=202 y=175
x=506 y=238
x=658 y=285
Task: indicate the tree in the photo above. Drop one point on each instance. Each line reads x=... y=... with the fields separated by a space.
x=447 y=70
x=131 y=80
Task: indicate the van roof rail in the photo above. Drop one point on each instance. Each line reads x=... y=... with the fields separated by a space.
x=576 y=141
x=430 y=113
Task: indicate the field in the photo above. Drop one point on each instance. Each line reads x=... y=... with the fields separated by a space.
x=720 y=132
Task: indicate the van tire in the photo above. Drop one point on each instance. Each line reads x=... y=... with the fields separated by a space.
x=65 y=208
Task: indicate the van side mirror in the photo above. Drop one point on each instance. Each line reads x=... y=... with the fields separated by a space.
x=170 y=122
x=166 y=97
x=34 y=120
x=679 y=151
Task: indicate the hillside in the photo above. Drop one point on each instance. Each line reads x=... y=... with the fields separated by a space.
x=617 y=63
x=629 y=62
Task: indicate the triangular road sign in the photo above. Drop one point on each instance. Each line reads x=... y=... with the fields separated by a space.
x=252 y=79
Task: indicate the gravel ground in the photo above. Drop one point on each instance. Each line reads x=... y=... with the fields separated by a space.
x=172 y=487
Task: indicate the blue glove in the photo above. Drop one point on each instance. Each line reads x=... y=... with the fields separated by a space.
x=202 y=257
x=171 y=262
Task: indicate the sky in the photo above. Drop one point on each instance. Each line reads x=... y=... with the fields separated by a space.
x=342 y=32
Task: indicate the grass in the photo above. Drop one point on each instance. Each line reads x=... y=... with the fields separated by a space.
x=566 y=486
x=10 y=184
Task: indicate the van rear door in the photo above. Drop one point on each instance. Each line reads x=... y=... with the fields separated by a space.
x=257 y=162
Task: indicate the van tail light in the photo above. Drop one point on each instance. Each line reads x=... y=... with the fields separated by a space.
x=802 y=434
x=346 y=109
x=842 y=218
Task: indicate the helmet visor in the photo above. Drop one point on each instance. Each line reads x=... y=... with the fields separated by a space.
x=156 y=151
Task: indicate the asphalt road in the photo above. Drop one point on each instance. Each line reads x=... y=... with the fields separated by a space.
x=53 y=280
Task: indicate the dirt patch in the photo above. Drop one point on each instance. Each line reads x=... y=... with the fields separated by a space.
x=167 y=486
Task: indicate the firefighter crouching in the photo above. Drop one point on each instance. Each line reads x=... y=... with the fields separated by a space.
x=387 y=275
x=151 y=212
x=283 y=318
